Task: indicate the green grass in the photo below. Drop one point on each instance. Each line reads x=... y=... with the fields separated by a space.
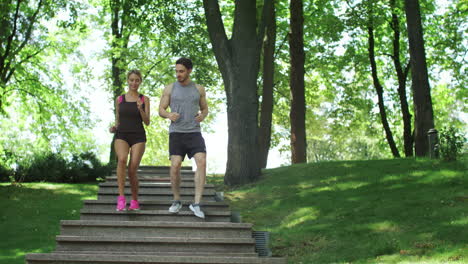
x=382 y=211
x=30 y=216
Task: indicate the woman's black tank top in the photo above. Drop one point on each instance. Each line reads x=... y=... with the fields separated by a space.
x=129 y=116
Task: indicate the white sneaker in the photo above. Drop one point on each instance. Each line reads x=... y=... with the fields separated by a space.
x=175 y=207
x=197 y=210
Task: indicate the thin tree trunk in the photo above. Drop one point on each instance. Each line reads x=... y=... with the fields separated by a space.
x=402 y=74
x=266 y=111
x=423 y=112
x=379 y=90
x=238 y=60
x=297 y=112
x=117 y=71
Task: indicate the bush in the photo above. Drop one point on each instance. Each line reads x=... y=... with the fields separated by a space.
x=451 y=143
x=6 y=160
x=52 y=167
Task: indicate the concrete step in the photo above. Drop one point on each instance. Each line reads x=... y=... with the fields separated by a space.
x=163 y=253
x=159 y=170
x=153 y=185
x=155 y=205
x=154 y=229
x=154 y=215
x=163 y=168
x=160 y=196
x=58 y=258
x=159 y=175
x=154 y=244
x=150 y=178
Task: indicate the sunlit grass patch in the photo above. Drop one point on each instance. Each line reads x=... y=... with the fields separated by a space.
x=31 y=214
x=384 y=211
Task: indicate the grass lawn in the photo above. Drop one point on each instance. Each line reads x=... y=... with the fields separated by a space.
x=30 y=216
x=382 y=211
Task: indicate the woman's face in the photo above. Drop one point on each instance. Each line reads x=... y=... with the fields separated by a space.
x=133 y=81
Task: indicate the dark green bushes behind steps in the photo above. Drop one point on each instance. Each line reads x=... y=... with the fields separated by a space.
x=53 y=167
x=452 y=143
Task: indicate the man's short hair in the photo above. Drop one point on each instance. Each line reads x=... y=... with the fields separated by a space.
x=186 y=62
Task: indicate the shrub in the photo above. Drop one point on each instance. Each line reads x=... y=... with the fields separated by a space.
x=451 y=143
x=52 y=167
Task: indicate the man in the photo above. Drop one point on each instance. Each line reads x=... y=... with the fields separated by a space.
x=187 y=101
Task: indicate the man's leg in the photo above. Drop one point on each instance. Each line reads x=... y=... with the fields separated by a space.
x=176 y=163
x=200 y=175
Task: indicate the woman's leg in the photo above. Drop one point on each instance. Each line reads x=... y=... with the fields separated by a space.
x=121 y=150
x=136 y=153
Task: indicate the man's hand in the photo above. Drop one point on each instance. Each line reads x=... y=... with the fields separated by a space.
x=173 y=116
x=199 y=117
x=112 y=129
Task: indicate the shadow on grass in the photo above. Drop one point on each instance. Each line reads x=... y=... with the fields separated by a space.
x=30 y=216
x=361 y=211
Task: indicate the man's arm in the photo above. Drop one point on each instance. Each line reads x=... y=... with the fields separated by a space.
x=203 y=104
x=164 y=104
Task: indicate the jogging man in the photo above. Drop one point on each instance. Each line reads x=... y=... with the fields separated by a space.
x=189 y=108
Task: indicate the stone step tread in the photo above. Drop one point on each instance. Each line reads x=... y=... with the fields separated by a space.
x=233 y=254
x=154 y=224
x=151 y=212
x=114 y=258
x=164 y=178
x=158 y=170
x=158 y=202
x=165 y=240
x=145 y=191
x=154 y=184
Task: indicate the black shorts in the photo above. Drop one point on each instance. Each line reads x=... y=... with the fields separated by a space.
x=131 y=137
x=186 y=143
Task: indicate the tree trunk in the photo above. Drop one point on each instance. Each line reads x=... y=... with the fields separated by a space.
x=238 y=60
x=423 y=113
x=379 y=90
x=116 y=61
x=402 y=74
x=297 y=112
x=264 y=137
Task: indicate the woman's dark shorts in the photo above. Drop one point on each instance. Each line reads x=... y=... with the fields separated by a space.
x=131 y=137
x=181 y=144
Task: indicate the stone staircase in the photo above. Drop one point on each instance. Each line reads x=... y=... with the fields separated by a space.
x=153 y=235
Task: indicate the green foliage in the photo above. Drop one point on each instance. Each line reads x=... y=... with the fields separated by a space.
x=53 y=167
x=451 y=143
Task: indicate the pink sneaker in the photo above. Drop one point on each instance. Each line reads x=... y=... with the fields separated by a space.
x=134 y=205
x=121 y=203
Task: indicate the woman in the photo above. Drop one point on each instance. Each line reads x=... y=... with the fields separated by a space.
x=131 y=111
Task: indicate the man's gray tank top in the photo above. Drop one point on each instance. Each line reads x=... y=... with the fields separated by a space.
x=185 y=100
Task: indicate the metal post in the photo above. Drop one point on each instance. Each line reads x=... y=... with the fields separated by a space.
x=433 y=138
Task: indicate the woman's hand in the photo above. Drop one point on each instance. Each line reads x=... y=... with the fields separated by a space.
x=112 y=129
x=140 y=104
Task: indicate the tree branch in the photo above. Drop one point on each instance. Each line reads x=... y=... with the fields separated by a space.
x=10 y=38
x=30 y=28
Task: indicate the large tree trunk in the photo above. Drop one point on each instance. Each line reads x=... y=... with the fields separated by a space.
x=423 y=113
x=117 y=44
x=238 y=60
x=379 y=90
x=266 y=112
x=402 y=74
x=297 y=112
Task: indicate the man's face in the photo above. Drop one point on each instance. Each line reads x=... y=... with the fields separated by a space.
x=182 y=73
